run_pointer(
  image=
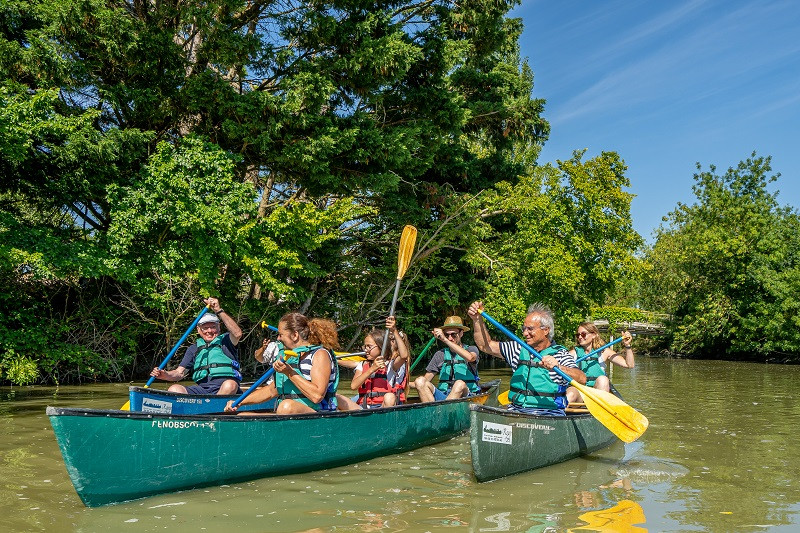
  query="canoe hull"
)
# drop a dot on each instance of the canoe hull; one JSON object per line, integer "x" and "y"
{"x": 114, "y": 456}
{"x": 157, "y": 401}
{"x": 504, "y": 443}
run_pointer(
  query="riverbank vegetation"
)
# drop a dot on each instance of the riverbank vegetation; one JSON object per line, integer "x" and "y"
{"x": 270, "y": 153}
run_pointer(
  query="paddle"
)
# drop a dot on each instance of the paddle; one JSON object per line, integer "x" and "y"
{"x": 127, "y": 405}
{"x": 355, "y": 356}
{"x": 620, "y": 418}
{"x": 286, "y": 355}
{"x": 407, "y": 241}
{"x": 503, "y": 398}
{"x": 268, "y": 326}
{"x": 600, "y": 349}
{"x": 422, "y": 353}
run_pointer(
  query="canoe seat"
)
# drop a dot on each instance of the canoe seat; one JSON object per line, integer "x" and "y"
{"x": 577, "y": 407}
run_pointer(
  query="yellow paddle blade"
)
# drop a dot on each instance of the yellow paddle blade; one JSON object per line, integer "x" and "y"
{"x": 126, "y": 406}
{"x": 503, "y": 398}
{"x": 620, "y": 418}
{"x": 351, "y": 358}
{"x": 407, "y": 242}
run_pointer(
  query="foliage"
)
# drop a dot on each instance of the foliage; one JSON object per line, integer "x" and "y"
{"x": 728, "y": 267}
{"x": 269, "y": 153}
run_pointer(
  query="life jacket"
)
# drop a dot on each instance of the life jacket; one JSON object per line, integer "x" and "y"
{"x": 372, "y": 391}
{"x": 454, "y": 368}
{"x": 531, "y": 385}
{"x": 590, "y": 366}
{"x": 215, "y": 360}
{"x": 286, "y": 389}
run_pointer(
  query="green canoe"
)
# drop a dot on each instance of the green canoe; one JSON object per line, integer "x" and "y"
{"x": 114, "y": 456}
{"x": 505, "y": 442}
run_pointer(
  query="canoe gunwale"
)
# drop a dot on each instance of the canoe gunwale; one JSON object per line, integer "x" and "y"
{"x": 253, "y": 415}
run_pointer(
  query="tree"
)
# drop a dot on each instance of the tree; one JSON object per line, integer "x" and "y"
{"x": 728, "y": 267}
{"x": 154, "y": 152}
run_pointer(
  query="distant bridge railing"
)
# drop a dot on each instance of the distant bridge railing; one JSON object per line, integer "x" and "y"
{"x": 648, "y": 323}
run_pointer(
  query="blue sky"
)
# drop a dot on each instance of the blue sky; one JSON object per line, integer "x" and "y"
{"x": 667, "y": 85}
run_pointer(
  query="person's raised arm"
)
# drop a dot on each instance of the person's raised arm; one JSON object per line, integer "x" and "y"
{"x": 456, "y": 347}
{"x": 626, "y": 360}
{"x": 402, "y": 349}
{"x": 234, "y": 331}
{"x": 483, "y": 340}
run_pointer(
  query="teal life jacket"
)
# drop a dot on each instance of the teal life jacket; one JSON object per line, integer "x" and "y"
{"x": 590, "y": 366}
{"x": 531, "y": 386}
{"x": 454, "y": 368}
{"x": 286, "y": 389}
{"x": 215, "y": 360}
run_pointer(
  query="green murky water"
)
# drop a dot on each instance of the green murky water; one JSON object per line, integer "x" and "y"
{"x": 719, "y": 456}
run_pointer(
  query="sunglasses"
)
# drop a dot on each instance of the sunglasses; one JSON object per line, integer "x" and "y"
{"x": 452, "y": 334}
{"x": 582, "y": 334}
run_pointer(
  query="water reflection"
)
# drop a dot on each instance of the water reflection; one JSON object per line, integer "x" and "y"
{"x": 621, "y": 518}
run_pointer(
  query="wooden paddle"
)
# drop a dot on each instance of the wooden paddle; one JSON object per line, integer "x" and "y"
{"x": 407, "y": 241}
{"x": 127, "y": 405}
{"x": 620, "y": 418}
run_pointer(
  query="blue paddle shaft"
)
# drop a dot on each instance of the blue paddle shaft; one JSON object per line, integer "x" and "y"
{"x": 600, "y": 349}
{"x": 178, "y": 345}
{"x": 253, "y": 387}
{"x": 271, "y": 328}
{"x": 507, "y": 332}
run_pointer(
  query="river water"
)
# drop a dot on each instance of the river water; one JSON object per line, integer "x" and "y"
{"x": 718, "y": 456}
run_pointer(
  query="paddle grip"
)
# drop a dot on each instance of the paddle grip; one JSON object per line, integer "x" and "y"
{"x": 178, "y": 345}
{"x": 507, "y": 332}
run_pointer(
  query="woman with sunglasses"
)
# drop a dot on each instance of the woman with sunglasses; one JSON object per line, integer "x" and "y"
{"x": 380, "y": 381}
{"x": 456, "y": 364}
{"x": 588, "y": 339}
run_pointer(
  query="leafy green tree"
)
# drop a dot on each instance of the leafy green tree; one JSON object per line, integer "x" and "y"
{"x": 155, "y": 152}
{"x": 728, "y": 267}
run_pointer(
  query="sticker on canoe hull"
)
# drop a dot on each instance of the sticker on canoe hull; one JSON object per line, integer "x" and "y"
{"x": 150, "y": 405}
{"x": 500, "y": 433}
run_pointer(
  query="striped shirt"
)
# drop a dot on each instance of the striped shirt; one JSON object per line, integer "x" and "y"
{"x": 510, "y": 351}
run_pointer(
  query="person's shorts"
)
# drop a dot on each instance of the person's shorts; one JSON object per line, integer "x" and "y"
{"x": 209, "y": 387}
{"x": 439, "y": 395}
{"x": 537, "y": 411}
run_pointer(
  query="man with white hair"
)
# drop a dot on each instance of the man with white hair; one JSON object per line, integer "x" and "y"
{"x": 535, "y": 387}
{"x": 213, "y": 359}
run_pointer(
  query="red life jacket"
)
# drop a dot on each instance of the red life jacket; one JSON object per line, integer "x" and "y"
{"x": 372, "y": 391}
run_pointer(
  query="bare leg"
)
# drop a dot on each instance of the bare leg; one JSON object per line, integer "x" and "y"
{"x": 346, "y": 404}
{"x": 180, "y": 389}
{"x": 229, "y": 386}
{"x": 459, "y": 390}
{"x": 425, "y": 389}
{"x": 573, "y": 395}
{"x": 389, "y": 400}
{"x": 602, "y": 383}
{"x": 291, "y": 407}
